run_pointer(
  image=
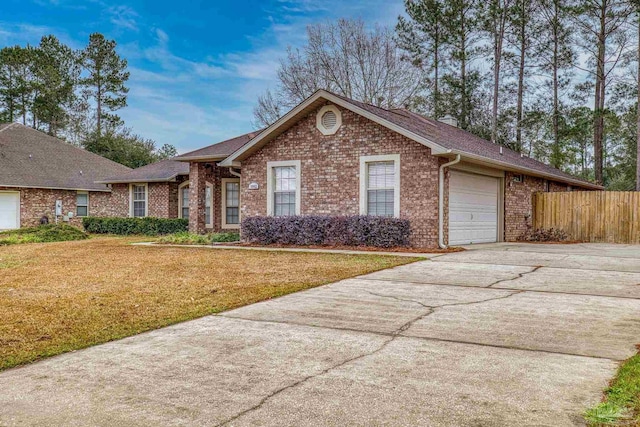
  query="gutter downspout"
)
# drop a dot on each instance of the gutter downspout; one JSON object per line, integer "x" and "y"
{"x": 441, "y": 201}
{"x": 234, "y": 173}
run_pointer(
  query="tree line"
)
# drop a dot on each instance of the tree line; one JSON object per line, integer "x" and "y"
{"x": 74, "y": 95}
{"x": 554, "y": 79}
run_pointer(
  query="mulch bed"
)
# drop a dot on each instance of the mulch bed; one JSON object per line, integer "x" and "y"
{"x": 357, "y": 248}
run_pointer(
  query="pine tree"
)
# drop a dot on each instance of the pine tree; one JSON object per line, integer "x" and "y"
{"x": 56, "y": 73}
{"x": 461, "y": 19}
{"x": 496, "y": 22}
{"x": 424, "y": 38}
{"x": 106, "y": 79}
{"x": 602, "y": 24}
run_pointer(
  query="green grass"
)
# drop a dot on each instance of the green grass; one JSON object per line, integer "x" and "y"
{"x": 186, "y": 238}
{"x": 42, "y": 234}
{"x": 621, "y": 406}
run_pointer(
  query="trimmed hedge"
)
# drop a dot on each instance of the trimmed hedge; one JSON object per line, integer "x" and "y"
{"x": 327, "y": 230}
{"x": 148, "y": 226}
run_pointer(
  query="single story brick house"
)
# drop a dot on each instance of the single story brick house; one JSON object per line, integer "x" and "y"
{"x": 39, "y": 172}
{"x": 332, "y": 155}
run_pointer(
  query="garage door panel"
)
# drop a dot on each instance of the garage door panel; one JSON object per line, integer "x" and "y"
{"x": 9, "y": 210}
{"x": 473, "y": 208}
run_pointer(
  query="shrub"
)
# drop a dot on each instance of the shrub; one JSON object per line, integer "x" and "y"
{"x": 327, "y": 230}
{"x": 186, "y": 238}
{"x": 225, "y": 237}
{"x": 124, "y": 226}
{"x": 545, "y": 235}
{"x": 42, "y": 234}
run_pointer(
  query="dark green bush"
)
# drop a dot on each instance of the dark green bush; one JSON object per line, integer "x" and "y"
{"x": 185, "y": 238}
{"x": 225, "y": 237}
{"x": 148, "y": 226}
{"x": 42, "y": 234}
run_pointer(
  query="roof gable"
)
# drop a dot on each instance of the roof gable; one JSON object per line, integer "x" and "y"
{"x": 383, "y": 117}
{"x": 30, "y": 158}
{"x": 441, "y": 138}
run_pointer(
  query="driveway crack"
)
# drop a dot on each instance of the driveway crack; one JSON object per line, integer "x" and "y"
{"x": 305, "y": 379}
{"x": 398, "y": 299}
{"x": 397, "y": 333}
{"x": 519, "y": 276}
{"x": 432, "y": 308}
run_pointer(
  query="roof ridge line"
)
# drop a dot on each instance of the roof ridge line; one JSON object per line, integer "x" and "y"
{"x": 10, "y": 125}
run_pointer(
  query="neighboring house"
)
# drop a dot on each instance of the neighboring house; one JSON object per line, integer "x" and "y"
{"x": 38, "y": 171}
{"x": 331, "y": 155}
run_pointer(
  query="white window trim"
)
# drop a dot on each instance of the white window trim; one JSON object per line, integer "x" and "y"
{"x": 270, "y": 166}
{"x": 212, "y": 211}
{"x": 146, "y": 198}
{"x": 321, "y": 113}
{"x": 223, "y": 211}
{"x": 82, "y": 192}
{"x": 180, "y": 187}
{"x": 363, "y": 181}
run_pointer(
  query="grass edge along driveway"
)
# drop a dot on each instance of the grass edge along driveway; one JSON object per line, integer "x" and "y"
{"x": 621, "y": 403}
{"x": 59, "y": 297}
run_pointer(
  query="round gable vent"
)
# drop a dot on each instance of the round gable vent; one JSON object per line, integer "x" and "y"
{"x": 329, "y": 119}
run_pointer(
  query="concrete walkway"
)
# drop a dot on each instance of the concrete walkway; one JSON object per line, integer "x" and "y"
{"x": 499, "y": 335}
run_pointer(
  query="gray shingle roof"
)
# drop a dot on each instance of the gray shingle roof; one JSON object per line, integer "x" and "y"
{"x": 219, "y": 150}
{"x": 164, "y": 170}
{"x": 30, "y": 158}
{"x": 463, "y": 142}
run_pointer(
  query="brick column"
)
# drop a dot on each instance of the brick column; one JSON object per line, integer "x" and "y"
{"x": 197, "y": 188}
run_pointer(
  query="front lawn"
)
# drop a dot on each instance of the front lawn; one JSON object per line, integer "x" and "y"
{"x": 57, "y": 297}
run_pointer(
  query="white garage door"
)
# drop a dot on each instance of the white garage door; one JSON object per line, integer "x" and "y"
{"x": 473, "y": 208}
{"x": 9, "y": 210}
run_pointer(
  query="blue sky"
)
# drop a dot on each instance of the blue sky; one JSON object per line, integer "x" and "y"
{"x": 196, "y": 67}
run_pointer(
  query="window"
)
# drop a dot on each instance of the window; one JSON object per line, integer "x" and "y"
{"x": 82, "y": 203}
{"x": 380, "y": 185}
{"x": 183, "y": 200}
{"x": 230, "y": 203}
{"x": 138, "y": 200}
{"x": 208, "y": 198}
{"x": 283, "y": 188}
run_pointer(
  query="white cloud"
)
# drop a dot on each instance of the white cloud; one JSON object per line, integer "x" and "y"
{"x": 123, "y": 17}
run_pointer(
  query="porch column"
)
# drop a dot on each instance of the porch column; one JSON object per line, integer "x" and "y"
{"x": 197, "y": 189}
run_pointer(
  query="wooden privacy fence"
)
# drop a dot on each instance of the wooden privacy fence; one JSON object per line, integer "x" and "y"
{"x": 590, "y": 216}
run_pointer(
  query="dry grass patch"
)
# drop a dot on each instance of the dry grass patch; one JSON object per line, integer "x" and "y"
{"x": 58, "y": 297}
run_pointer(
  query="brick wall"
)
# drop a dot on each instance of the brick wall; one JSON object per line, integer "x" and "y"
{"x": 162, "y": 199}
{"x": 38, "y": 202}
{"x": 330, "y": 172}
{"x": 518, "y": 204}
{"x": 518, "y": 201}
{"x": 201, "y": 174}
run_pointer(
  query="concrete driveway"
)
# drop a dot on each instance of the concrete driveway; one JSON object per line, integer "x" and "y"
{"x": 504, "y": 334}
